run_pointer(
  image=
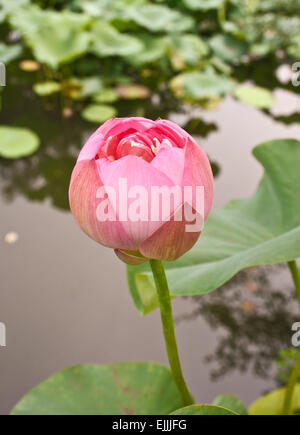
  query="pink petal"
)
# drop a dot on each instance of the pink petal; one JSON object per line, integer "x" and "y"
{"x": 92, "y": 147}
{"x": 171, "y": 240}
{"x": 170, "y": 161}
{"x": 198, "y": 172}
{"x": 85, "y": 183}
{"x": 173, "y": 131}
{"x": 129, "y": 146}
{"x": 117, "y": 126}
{"x": 141, "y": 174}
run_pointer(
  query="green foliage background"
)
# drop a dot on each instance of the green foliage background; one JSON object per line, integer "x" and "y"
{"x": 192, "y": 48}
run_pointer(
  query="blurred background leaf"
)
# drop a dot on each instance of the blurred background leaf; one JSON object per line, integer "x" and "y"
{"x": 272, "y": 403}
{"x": 16, "y": 142}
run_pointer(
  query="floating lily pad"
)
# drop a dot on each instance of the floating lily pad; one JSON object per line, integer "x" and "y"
{"x": 133, "y": 92}
{"x": 55, "y": 37}
{"x": 264, "y": 229}
{"x": 16, "y": 142}
{"x": 90, "y": 86}
{"x": 79, "y": 89}
{"x": 157, "y": 18}
{"x": 45, "y": 89}
{"x": 116, "y": 389}
{"x": 107, "y": 95}
{"x": 98, "y": 113}
{"x": 108, "y": 41}
{"x": 203, "y": 410}
{"x": 272, "y": 403}
{"x": 201, "y": 85}
{"x": 255, "y": 96}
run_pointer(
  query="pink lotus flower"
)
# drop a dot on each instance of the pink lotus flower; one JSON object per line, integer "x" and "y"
{"x": 145, "y": 153}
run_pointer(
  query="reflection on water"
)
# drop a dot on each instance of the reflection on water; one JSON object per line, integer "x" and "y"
{"x": 46, "y": 174}
{"x": 254, "y": 312}
{"x": 56, "y": 315}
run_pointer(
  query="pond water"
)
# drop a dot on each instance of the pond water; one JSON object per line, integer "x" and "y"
{"x": 65, "y": 300}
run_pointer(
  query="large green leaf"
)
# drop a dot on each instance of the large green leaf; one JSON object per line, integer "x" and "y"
{"x": 203, "y": 5}
{"x": 55, "y": 37}
{"x": 158, "y": 18}
{"x": 95, "y": 8}
{"x": 264, "y": 229}
{"x": 108, "y": 41}
{"x": 106, "y": 8}
{"x": 187, "y": 49}
{"x": 228, "y": 48}
{"x": 153, "y": 48}
{"x": 203, "y": 410}
{"x": 7, "y": 7}
{"x": 118, "y": 389}
{"x": 272, "y": 403}
{"x": 16, "y": 142}
{"x": 231, "y": 402}
{"x": 196, "y": 85}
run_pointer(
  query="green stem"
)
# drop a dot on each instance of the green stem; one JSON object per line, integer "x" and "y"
{"x": 222, "y": 13}
{"x": 168, "y": 329}
{"x": 296, "y": 277}
{"x": 288, "y": 400}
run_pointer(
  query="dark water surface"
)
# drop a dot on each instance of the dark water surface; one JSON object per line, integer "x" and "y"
{"x": 64, "y": 299}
